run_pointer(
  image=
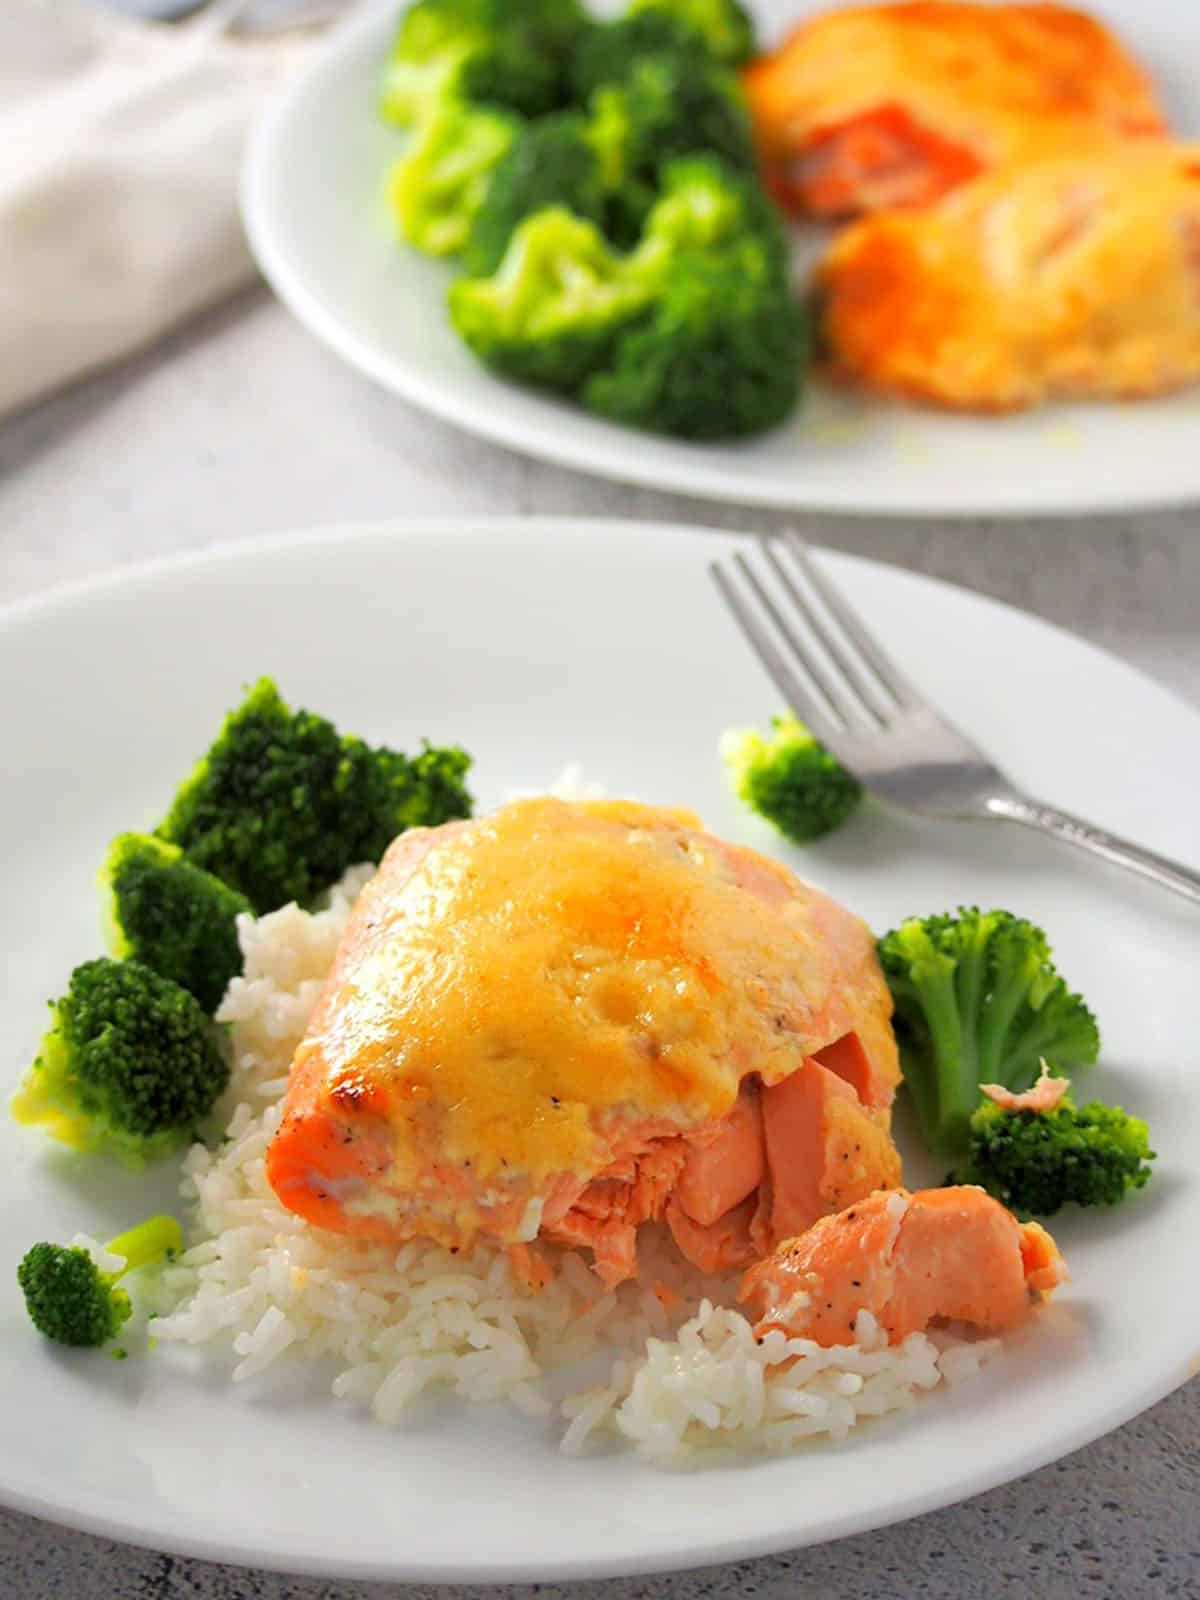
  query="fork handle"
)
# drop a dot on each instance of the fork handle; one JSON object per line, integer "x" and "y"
{"x": 1083, "y": 835}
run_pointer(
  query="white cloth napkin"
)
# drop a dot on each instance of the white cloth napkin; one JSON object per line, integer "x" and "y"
{"x": 120, "y": 144}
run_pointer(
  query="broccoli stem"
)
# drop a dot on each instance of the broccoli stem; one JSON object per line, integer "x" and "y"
{"x": 944, "y": 1105}
{"x": 156, "y": 1240}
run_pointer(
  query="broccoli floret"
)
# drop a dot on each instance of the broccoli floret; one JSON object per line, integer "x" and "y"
{"x": 552, "y": 162}
{"x": 704, "y": 203}
{"x": 790, "y": 779}
{"x": 1036, "y": 1162}
{"x": 438, "y": 186}
{"x": 678, "y": 105}
{"x": 606, "y": 52}
{"x": 130, "y": 1063}
{"x": 721, "y": 355}
{"x": 493, "y": 51}
{"x": 172, "y": 916}
{"x": 282, "y": 803}
{"x": 72, "y": 1302}
{"x": 724, "y": 25}
{"x": 978, "y": 1000}
{"x": 552, "y": 312}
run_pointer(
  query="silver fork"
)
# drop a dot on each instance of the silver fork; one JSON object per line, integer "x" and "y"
{"x": 841, "y": 683}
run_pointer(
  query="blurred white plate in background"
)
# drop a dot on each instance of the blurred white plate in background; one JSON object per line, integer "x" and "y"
{"x": 313, "y": 200}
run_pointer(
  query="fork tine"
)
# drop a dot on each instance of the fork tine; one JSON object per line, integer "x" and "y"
{"x": 868, "y": 695}
{"x": 794, "y": 691}
{"x": 841, "y": 708}
{"x": 885, "y": 670}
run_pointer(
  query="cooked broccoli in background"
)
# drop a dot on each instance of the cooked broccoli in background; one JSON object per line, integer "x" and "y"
{"x": 694, "y": 333}
{"x": 724, "y": 25}
{"x": 704, "y": 203}
{"x": 552, "y": 312}
{"x": 171, "y": 915}
{"x": 720, "y": 357}
{"x": 978, "y": 1000}
{"x": 551, "y": 162}
{"x": 485, "y": 51}
{"x": 438, "y": 186}
{"x": 721, "y": 350}
{"x": 283, "y": 803}
{"x": 678, "y": 105}
{"x": 790, "y": 779}
{"x": 130, "y": 1063}
{"x": 589, "y": 262}
{"x": 68, "y": 1297}
{"x": 1036, "y": 1162}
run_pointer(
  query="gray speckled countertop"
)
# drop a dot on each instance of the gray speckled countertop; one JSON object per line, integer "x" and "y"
{"x": 244, "y": 425}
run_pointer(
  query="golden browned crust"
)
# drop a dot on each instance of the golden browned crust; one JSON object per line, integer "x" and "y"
{"x": 1074, "y": 276}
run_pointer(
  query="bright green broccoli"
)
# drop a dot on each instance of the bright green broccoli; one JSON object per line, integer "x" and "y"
{"x": 978, "y": 1000}
{"x": 72, "y": 1302}
{"x": 790, "y": 779}
{"x": 606, "y": 52}
{"x": 679, "y": 104}
{"x": 485, "y": 51}
{"x": 283, "y": 803}
{"x": 703, "y": 204}
{"x": 552, "y": 312}
{"x": 130, "y": 1063}
{"x": 552, "y": 162}
{"x": 1036, "y": 1162}
{"x": 171, "y": 915}
{"x": 721, "y": 354}
{"x": 438, "y": 186}
{"x": 724, "y": 25}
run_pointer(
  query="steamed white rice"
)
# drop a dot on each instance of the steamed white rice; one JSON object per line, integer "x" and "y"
{"x": 686, "y": 1372}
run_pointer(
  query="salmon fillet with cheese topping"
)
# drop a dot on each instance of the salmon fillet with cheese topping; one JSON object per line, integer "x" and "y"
{"x": 895, "y": 105}
{"x": 1073, "y": 277}
{"x": 565, "y": 1020}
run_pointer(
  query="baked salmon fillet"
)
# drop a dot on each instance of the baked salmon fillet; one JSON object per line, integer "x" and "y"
{"x": 565, "y": 1020}
{"x": 1076, "y": 276}
{"x": 940, "y": 1255}
{"x": 895, "y": 105}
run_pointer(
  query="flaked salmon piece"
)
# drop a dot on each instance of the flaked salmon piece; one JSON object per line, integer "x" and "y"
{"x": 951, "y": 1254}
{"x": 1045, "y": 1094}
{"x": 722, "y": 1169}
{"x": 724, "y": 1245}
{"x": 566, "y": 1020}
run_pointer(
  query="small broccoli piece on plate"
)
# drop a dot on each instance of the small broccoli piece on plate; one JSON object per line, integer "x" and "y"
{"x": 484, "y": 51}
{"x": 553, "y": 310}
{"x": 606, "y": 52}
{"x": 438, "y": 186}
{"x": 721, "y": 354}
{"x": 552, "y": 162}
{"x": 283, "y": 803}
{"x": 171, "y": 915}
{"x": 130, "y": 1063}
{"x": 70, "y": 1300}
{"x": 1036, "y": 1162}
{"x": 790, "y": 779}
{"x": 978, "y": 1000}
{"x": 723, "y": 25}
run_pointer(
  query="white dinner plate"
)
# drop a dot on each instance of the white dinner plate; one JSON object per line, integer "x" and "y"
{"x": 538, "y": 644}
{"x": 313, "y": 201}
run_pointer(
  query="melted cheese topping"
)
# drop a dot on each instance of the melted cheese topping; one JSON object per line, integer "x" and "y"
{"x": 1076, "y": 276}
{"x": 555, "y": 968}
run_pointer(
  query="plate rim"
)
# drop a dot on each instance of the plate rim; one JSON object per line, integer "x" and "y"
{"x": 90, "y": 1517}
{"x": 554, "y": 445}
